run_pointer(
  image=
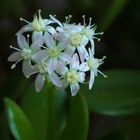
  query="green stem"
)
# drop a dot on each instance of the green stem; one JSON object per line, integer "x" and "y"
{"x": 51, "y": 113}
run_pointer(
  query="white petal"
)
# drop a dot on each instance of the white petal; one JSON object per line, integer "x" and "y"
{"x": 22, "y": 41}
{"x": 15, "y": 57}
{"x": 92, "y": 46}
{"x": 55, "y": 79}
{"x": 82, "y": 52}
{"x": 36, "y": 35}
{"x": 65, "y": 58}
{"x": 25, "y": 28}
{"x": 69, "y": 50}
{"x": 64, "y": 42}
{"x": 26, "y": 67}
{"x": 84, "y": 67}
{"x": 40, "y": 55}
{"x": 81, "y": 77}
{"x": 37, "y": 43}
{"x": 59, "y": 29}
{"x": 49, "y": 41}
{"x": 61, "y": 69}
{"x": 74, "y": 88}
{"x": 75, "y": 62}
{"x": 51, "y": 65}
{"x": 51, "y": 30}
{"x": 92, "y": 77}
{"x": 85, "y": 41}
{"x": 39, "y": 82}
{"x": 56, "y": 20}
{"x": 47, "y": 21}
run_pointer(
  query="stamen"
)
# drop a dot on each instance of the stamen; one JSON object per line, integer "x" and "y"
{"x": 21, "y": 19}
{"x": 14, "y": 65}
{"x": 98, "y": 39}
{"x": 66, "y": 19}
{"x": 69, "y": 18}
{"x": 14, "y": 48}
{"x": 84, "y": 20}
{"x": 105, "y": 76}
{"x": 39, "y": 12}
{"x": 43, "y": 47}
{"x": 55, "y": 20}
{"x": 100, "y": 33}
{"x": 90, "y": 19}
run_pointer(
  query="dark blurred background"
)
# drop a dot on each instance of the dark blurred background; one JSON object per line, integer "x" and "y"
{"x": 118, "y": 19}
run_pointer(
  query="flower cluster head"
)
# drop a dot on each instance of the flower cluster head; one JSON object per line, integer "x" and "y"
{"x": 61, "y": 53}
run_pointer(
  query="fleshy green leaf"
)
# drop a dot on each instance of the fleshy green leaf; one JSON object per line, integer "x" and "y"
{"x": 77, "y": 121}
{"x": 119, "y": 94}
{"x": 19, "y": 124}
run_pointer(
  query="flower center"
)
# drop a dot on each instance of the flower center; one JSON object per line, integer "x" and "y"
{"x": 72, "y": 77}
{"x": 76, "y": 39}
{"x": 53, "y": 52}
{"x": 26, "y": 54}
{"x": 42, "y": 66}
{"x": 38, "y": 23}
{"x": 93, "y": 63}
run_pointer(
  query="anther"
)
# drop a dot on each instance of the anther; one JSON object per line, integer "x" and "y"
{"x": 21, "y": 19}
{"x": 84, "y": 21}
{"x": 13, "y": 66}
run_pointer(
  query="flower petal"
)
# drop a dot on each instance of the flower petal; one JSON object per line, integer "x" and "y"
{"x": 61, "y": 68}
{"x": 69, "y": 50}
{"x": 47, "y": 21}
{"x": 37, "y": 43}
{"x": 51, "y": 65}
{"x": 82, "y": 52}
{"x": 28, "y": 69}
{"x": 39, "y": 82}
{"x": 81, "y": 77}
{"x": 15, "y": 57}
{"x": 74, "y": 88}
{"x": 56, "y": 20}
{"x": 55, "y": 79}
{"x": 84, "y": 66}
{"x": 25, "y": 28}
{"x": 22, "y": 41}
{"x": 65, "y": 58}
{"x": 36, "y": 35}
{"x": 40, "y": 55}
{"x": 51, "y": 30}
{"x": 92, "y": 77}
{"x": 75, "y": 62}
{"x": 49, "y": 41}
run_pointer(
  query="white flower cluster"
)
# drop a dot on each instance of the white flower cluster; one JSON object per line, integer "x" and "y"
{"x": 59, "y": 52}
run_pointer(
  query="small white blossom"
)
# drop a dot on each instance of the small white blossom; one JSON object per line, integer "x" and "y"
{"x": 53, "y": 52}
{"x": 92, "y": 65}
{"x": 37, "y": 26}
{"x": 71, "y": 76}
{"x": 24, "y": 52}
{"x": 42, "y": 73}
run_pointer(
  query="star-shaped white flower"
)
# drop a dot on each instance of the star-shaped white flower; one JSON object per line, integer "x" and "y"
{"x": 53, "y": 52}
{"x": 24, "y": 52}
{"x": 92, "y": 65}
{"x": 37, "y": 26}
{"x": 71, "y": 76}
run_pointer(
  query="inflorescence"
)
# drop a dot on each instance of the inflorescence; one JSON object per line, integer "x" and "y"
{"x": 58, "y": 52}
